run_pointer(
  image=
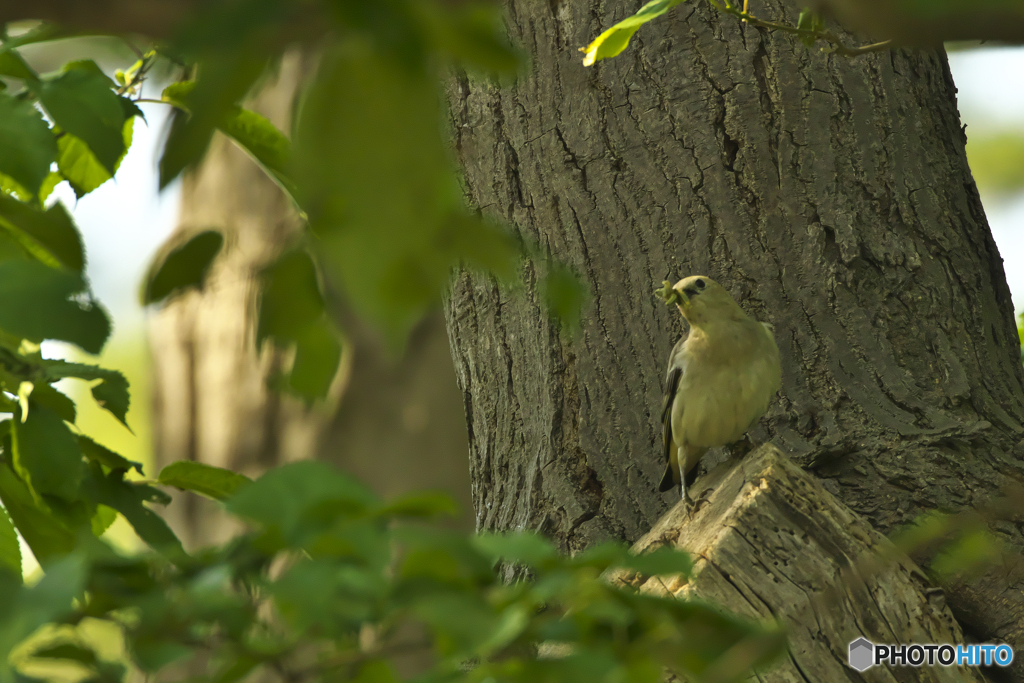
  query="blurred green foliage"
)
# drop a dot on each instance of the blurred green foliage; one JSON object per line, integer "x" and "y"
{"x": 329, "y": 580}
{"x": 997, "y": 160}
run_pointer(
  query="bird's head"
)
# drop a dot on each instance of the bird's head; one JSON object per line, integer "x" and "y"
{"x": 700, "y": 299}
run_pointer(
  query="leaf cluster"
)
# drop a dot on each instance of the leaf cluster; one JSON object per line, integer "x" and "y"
{"x": 333, "y": 583}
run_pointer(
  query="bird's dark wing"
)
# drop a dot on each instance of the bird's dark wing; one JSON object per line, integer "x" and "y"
{"x": 671, "y": 384}
{"x": 675, "y": 372}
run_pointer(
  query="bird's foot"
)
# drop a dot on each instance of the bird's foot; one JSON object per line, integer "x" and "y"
{"x": 693, "y": 506}
{"x": 702, "y": 500}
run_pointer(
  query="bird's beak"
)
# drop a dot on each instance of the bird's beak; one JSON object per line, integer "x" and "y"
{"x": 682, "y": 300}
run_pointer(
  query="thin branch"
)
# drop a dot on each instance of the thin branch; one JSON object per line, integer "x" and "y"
{"x": 838, "y": 47}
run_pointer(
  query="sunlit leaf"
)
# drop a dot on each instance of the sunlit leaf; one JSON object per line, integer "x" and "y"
{"x": 261, "y": 139}
{"x": 253, "y": 133}
{"x": 80, "y": 167}
{"x": 10, "y": 549}
{"x": 616, "y": 39}
{"x": 81, "y": 102}
{"x": 48, "y": 235}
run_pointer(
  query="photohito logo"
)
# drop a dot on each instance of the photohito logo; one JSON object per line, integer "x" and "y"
{"x": 864, "y": 654}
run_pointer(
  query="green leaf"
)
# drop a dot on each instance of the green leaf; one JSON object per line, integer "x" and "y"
{"x": 111, "y": 393}
{"x": 81, "y": 102}
{"x": 90, "y": 67}
{"x": 317, "y": 357}
{"x": 11, "y": 64}
{"x": 376, "y": 671}
{"x": 9, "y": 185}
{"x": 49, "y": 236}
{"x": 373, "y": 169}
{"x": 421, "y": 504}
{"x": 36, "y": 304}
{"x": 48, "y": 601}
{"x": 660, "y": 562}
{"x": 283, "y": 497}
{"x": 473, "y": 34}
{"x": 616, "y": 39}
{"x": 60, "y": 404}
{"x": 68, "y": 651}
{"x": 526, "y": 548}
{"x": 46, "y": 536}
{"x": 46, "y": 453}
{"x": 292, "y": 311}
{"x": 102, "y": 520}
{"x": 212, "y": 482}
{"x": 290, "y": 299}
{"x": 220, "y": 84}
{"x": 10, "y": 549}
{"x": 106, "y": 457}
{"x": 27, "y": 144}
{"x": 80, "y": 167}
{"x": 184, "y": 267}
{"x": 263, "y": 141}
{"x": 129, "y": 499}
{"x": 564, "y": 294}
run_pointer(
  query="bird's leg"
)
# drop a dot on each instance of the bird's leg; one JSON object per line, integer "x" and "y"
{"x": 681, "y": 463}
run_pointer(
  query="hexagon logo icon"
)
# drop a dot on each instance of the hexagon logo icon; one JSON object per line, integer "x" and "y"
{"x": 862, "y": 654}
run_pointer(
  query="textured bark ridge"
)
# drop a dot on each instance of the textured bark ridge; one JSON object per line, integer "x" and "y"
{"x": 831, "y": 196}
{"x": 770, "y": 543}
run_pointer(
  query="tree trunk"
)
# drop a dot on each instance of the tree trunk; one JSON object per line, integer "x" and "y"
{"x": 830, "y": 195}
{"x": 210, "y": 402}
{"x": 396, "y": 423}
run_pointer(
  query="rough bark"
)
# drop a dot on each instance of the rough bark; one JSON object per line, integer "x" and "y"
{"x": 770, "y": 543}
{"x": 831, "y": 196}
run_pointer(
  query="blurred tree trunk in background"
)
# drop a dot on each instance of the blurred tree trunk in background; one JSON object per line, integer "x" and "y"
{"x": 830, "y": 195}
{"x": 399, "y": 424}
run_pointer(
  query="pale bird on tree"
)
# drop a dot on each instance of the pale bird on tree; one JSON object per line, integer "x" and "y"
{"x": 721, "y": 377}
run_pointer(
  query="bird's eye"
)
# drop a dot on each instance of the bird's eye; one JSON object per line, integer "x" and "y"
{"x": 700, "y": 284}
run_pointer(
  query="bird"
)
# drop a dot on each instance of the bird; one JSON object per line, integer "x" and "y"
{"x": 721, "y": 377}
